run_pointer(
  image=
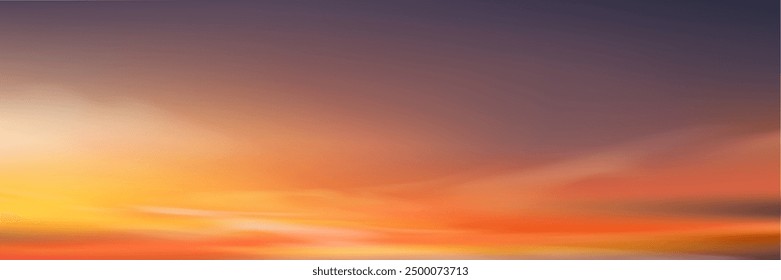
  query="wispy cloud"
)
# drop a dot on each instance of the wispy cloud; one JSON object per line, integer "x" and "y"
{"x": 44, "y": 121}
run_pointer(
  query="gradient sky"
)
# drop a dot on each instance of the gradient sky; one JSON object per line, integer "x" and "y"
{"x": 389, "y": 129}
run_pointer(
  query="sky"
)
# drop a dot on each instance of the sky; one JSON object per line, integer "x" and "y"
{"x": 389, "y": 130}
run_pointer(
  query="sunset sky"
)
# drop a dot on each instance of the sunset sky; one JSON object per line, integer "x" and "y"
{"x": 389, "y": 129}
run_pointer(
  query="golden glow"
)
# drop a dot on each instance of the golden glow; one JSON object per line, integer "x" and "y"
{"x": 126, "y": 181}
